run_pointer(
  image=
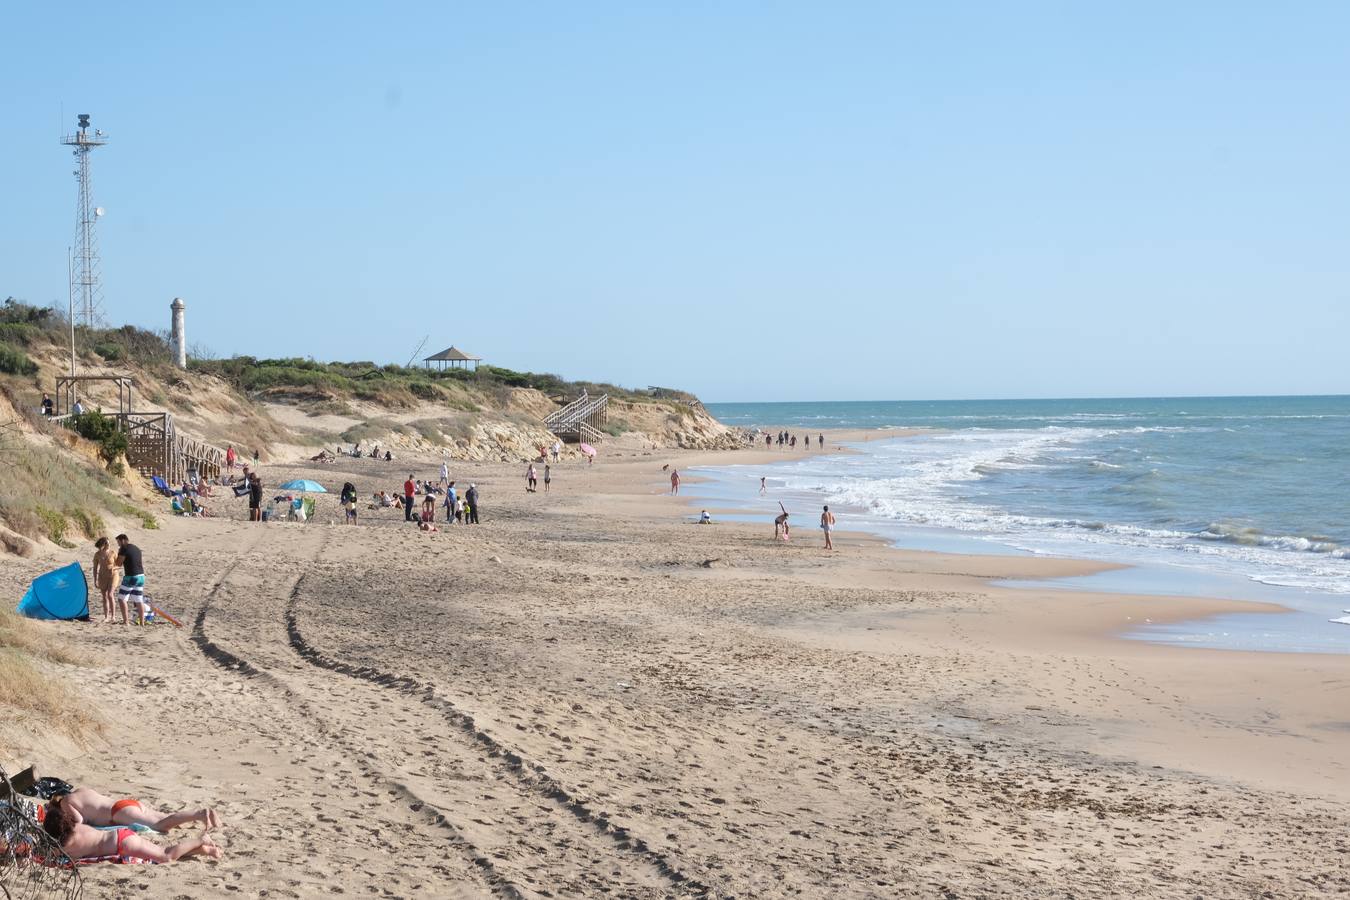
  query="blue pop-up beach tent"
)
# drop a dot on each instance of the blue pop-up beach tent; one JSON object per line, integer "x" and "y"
{"x": 60, "y": 594}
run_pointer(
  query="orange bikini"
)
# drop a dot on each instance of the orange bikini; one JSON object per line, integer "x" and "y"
{"x": 123, "y": 804}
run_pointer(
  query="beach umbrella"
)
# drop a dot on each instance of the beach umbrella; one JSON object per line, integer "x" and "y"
{"x": 587, "y": 449}
{"x": 304, "y": 485}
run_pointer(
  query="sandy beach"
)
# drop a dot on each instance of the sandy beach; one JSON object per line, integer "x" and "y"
{"x": 588, "y": 695}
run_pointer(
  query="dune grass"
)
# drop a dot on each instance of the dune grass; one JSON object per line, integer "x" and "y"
{"x": 26, "y": 692}
{"x": 44, "y": 492}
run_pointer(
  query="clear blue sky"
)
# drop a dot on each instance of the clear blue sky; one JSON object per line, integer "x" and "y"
{"x": 755, "y": 201}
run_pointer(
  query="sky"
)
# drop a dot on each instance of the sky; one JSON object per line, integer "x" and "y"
{"x": 752, "y": 201}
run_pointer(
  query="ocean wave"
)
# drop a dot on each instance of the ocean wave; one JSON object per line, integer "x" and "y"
{"x": 1253, "y": 537}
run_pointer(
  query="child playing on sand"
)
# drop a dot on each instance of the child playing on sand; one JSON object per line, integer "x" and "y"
{"x": 780, "y": 524}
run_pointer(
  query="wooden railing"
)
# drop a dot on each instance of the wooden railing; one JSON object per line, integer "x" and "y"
{"x": 581, "y": 419}
{"x": 154, "y": 447}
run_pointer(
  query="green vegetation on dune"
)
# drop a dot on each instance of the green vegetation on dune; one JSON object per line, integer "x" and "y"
{"x": 43, "y": 492}
{"x": 403, "y": 386}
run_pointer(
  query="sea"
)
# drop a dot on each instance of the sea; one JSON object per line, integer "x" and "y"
{"x": 1239, "y": 497}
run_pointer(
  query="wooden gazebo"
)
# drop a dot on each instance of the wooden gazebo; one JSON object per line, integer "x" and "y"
{"x": 454, "y": 358}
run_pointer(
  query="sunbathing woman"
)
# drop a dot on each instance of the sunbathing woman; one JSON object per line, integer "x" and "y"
{"x": 81, "y": 841}
{"x": 96, "y": 809}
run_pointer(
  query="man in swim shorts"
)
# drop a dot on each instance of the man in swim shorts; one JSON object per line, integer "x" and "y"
{"x": 827, "y": 526}
{"x": 132, "y": 589}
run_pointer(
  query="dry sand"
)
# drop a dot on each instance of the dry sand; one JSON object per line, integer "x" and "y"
{"x": 588, "y": 696}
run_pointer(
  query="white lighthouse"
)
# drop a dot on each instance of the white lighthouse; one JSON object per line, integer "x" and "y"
{"x": 178, "y": 334}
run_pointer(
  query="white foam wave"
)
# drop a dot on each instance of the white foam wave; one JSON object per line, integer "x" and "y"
{"x": 934, "y": 483}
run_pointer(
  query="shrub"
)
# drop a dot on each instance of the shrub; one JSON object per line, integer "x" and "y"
{"x": 15, "y": 361}
{"x": 425, "y": 390}
{"x": 90, "y": 523}
{"x": 55, "y": 526}
{"x": 17, "y": 333}
{"x": 16, "y": 312}
{"x": 127, "y": 343}
{"x": 103, "y": 431}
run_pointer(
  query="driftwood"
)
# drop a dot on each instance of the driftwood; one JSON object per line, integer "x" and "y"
{"x": 32, "y": 866}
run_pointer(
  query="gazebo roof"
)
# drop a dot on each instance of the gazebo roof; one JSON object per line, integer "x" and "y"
{"x": 453, "y": 354}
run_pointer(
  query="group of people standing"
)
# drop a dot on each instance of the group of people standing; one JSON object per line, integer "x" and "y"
{"x": 532, "y": 479}
{"x": 785, "y": 439}
{"x": 458, "y": 509}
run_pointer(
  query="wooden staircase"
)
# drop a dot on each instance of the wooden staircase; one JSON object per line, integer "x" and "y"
{"x": 154, "y": 447}
{"x": 581, "y": 420}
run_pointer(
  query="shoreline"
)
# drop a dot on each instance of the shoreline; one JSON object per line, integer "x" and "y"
{"x": 1217, "y": 599}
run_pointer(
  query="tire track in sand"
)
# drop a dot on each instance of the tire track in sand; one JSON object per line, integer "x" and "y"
{"x": 527, "y": 778}
{"x": 494, "y": 880}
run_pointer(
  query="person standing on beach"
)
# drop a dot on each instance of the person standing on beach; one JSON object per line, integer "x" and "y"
{"x": 133, "y": 578}
{"x": 768, "y": 442}
{"x": 255, "y": 491}
{"x": 675, "y": 481}
{"x": 820, "y": 441}
{"x": 531, "y": 480}
{"x": 105, "y": 576}
{"x": 471, "y": 505}
{"x": 445, "y": 471}
{"x": 548, "y": 477}
{"x": 763, "y": 486}
{"x": 229, "y": 459}
{"x": 349, "y": 503}
{"x": 409, "y": 494}
{"x": 827, "y": 526}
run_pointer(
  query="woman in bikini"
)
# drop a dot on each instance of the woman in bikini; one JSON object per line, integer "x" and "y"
{"x": 105, "y": 576}
{"x": 80, "y": 841}
{"x": 90, "y": 806}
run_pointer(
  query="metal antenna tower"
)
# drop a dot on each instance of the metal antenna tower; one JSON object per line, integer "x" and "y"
{"x": 88, "y": 288}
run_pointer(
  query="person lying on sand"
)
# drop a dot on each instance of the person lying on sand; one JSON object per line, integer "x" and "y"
{"x": 427, "y": 525}
{"x": 93, "y": 808}
{"x": 81, "y": 841}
